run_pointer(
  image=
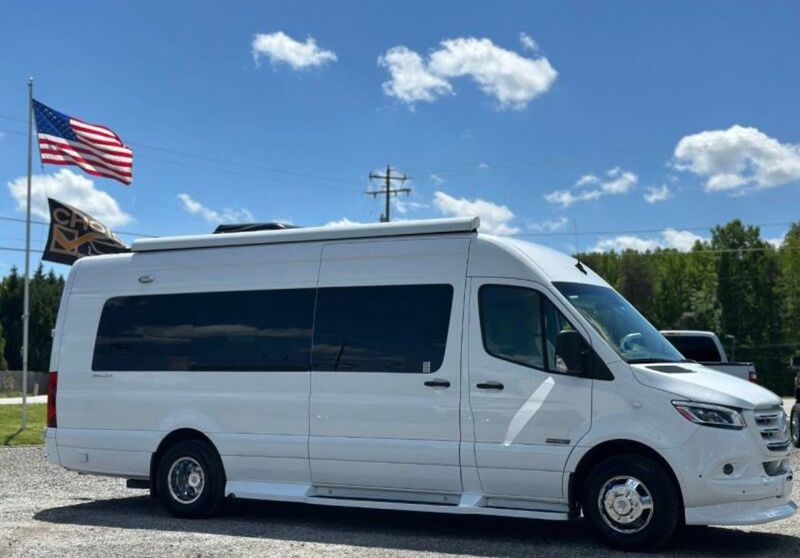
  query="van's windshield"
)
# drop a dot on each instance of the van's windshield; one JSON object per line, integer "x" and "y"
{"x": 633, "y": 337}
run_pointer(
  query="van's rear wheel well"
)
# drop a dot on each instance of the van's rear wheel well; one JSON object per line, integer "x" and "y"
{"x": 603, "y": 451}
{"x": 170, "y": 440}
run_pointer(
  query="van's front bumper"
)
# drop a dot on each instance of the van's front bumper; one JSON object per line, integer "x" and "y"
{"x": 757, "y": 487}
{"x": 742, "y": 513}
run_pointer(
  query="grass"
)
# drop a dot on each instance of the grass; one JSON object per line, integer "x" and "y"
{"x": 10, "y": 394}
{"x": 10, "y": 434}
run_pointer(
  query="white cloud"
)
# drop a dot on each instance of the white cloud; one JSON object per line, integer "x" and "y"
{"x": 495, "y": 219}
{"x": 656, "y": 194}
{"x": 410, "y": 80}
{"x": 590, "y": 187}
{"x": 550, "y": 225}
{"x": 587, "y": 179}
{"x": 227, "y": 215}
{"x": 511, "y": 79}
{"x": 343, "y": 222}
{"x": 70, "y": 188}
{"x": 436, "y": 179}
{"x": 280, "y": 47}
{"x": 527, "y": 42}
{"x": 625, "y": 242}
{"x": 404, "y": 206}
{"x": 683, "y": 241}
{"x": 776, "y": 242}
{"x": 738, "y": 159}
{"x": 483, "y": 166}
{"x": 680, "y": 240}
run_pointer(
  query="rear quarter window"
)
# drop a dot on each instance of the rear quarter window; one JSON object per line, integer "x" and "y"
{"x": 701, "y": 349}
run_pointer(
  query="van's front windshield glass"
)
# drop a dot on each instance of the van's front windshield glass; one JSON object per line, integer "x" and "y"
{"x": 633, "y": 337}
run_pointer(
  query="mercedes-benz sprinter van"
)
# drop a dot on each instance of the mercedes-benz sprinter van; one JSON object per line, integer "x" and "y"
{"x": 412, "y": 366}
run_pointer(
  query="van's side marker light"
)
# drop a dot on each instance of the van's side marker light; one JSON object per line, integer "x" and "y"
{"x": 528, "y": 410}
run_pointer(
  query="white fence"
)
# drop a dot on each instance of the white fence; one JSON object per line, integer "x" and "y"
{"x": 11, "y": 381}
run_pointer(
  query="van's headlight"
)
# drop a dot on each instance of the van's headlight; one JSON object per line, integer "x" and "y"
{"x": 710, "y": 415}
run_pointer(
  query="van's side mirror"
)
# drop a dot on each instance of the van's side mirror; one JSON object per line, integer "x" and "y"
{"x": 571, "y": 353}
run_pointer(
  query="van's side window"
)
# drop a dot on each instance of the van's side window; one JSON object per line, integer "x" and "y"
{"x": 225, "y": 331}
{"x": 511, "y": 324}
{"x": 398, "y": 328}
{"x": 521, "y": 325}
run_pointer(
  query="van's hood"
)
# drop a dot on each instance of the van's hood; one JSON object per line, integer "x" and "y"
{"x": 705, "y": 385}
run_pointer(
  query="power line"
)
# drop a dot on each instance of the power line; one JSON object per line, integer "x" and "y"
{"x": 45, "y": 223}
{"x": 267, "y": 169}
{"x": 388, "y": 191}
{"x": 643, "y": 231}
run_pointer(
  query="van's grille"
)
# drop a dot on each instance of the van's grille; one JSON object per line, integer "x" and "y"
{"x": 773, "y": 427}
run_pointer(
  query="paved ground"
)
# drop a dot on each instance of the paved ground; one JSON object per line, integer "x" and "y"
{"x": 46, "y": 511}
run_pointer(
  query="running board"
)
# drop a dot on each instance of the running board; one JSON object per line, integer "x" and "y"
{"x": 467, "y": 504}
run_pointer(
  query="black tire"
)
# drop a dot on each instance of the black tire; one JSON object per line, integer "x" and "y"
{"x": 654, "y": 526}
{"x": 195, "y": 466}
{"x": 794, "y": 425}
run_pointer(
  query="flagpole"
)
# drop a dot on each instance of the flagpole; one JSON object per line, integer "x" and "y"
{"x": 26, "y": 298}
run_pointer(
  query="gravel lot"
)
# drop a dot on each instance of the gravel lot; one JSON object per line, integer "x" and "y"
{"x": 47, "y": 511}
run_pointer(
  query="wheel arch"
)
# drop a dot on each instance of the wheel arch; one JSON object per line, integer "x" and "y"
{"x": 607, "y": 449}
{"x": 179, "y": 435}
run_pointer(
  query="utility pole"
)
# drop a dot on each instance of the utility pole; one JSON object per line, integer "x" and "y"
{"x": 388, "y": 191}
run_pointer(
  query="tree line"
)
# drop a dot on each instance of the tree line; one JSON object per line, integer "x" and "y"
{"x": 735, "y": 284}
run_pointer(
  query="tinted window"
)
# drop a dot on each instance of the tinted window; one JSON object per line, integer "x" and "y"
{"x": 382, "y": 329}
{"x": 511, "y": 324}
{"x": 555, "y": 323}
{"x": 235, "y": 331}
{"x": 701, "y": 349}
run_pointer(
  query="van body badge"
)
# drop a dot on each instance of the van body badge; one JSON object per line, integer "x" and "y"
{"x": 558, "y": 441}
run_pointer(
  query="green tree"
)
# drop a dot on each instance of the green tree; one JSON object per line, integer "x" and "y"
{"x": 748, "y": 279}
{"x": 45, "y": 294}
{"x": 11, "y": 290}
{"x": 3, "y": 363}
{"x": 789, "y": 289}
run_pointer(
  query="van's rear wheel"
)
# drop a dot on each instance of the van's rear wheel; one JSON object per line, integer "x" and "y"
{"x": 794, "y": 425}
{"x": 631, "y": 502}
{"x": 191, "y": 479}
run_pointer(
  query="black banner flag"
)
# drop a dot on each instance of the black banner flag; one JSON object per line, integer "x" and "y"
{"x": 75, "y": 234}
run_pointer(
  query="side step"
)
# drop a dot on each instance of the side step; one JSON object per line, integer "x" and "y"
{"x": 143, "y": 484}
{"x": 463, "y": 504}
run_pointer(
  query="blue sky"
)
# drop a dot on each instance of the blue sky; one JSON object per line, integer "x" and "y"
{"x": 534, "y": 115}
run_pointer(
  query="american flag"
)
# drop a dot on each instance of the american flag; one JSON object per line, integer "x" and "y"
{"x": 64, "y": 140}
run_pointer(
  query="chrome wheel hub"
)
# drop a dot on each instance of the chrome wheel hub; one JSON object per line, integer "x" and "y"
{"x": 186, "y": 480}
{"x": 625, "y": 504}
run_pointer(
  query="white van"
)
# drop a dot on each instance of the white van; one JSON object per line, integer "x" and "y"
{"x": 411, "y": 366}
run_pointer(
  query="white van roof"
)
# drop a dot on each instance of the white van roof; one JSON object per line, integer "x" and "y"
{"x": 401, "y": 228}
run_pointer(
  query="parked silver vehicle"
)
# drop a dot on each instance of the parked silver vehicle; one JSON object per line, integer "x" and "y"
{"x": 705, "y": 347}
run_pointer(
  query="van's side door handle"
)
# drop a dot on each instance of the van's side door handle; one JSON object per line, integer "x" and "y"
{"x": 490, "y": 385}
{"x": 438, "y": 383}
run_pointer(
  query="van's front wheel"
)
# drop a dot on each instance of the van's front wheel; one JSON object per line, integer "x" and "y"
{"x": 191, "y": 479}
{"x": 631, "y": 502}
